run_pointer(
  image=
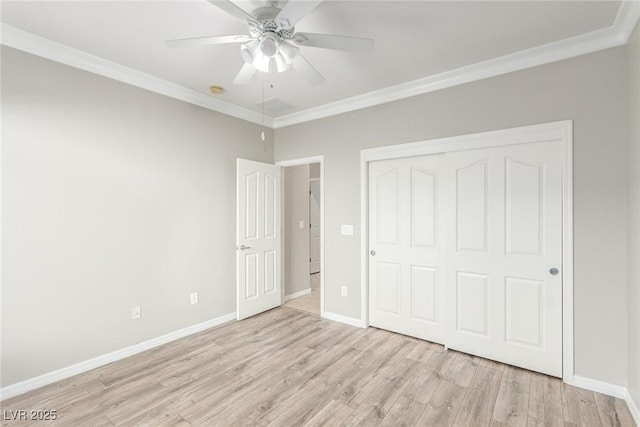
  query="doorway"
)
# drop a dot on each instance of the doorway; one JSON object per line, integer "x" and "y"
{"x": 303, "y": 235}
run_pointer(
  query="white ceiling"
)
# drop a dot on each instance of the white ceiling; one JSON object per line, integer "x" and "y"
{"x": 413, "y": 40}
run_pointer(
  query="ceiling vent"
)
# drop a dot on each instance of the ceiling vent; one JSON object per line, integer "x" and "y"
{"x": 275, "y": 105}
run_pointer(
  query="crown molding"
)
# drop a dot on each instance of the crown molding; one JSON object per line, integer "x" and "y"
{"x": 627, "y": 18}
{"x": 41, "y": 46}
{"x": 616, "y": 35}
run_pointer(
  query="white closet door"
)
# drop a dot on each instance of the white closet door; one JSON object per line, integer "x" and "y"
{"x": 405, "y": 243}
{"x": 503, "y": 221}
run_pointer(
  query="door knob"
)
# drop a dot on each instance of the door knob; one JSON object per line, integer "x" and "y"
{"x": 554, "y": 271}
{"x": 373, "y": 253}
{"x": 243, "y": 247}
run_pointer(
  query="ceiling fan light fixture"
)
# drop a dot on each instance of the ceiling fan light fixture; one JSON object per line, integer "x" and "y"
{"x": 246, "y": 55}
{"x": 281, "y": 63}
{"x": 249, "y": 51}
{"x": 288, "y": 52}
{"x": 261, "y": 63}
{"x": 269, "y": 45}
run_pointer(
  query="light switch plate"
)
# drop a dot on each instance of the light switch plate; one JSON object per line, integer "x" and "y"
{"x": 346, "y": 230}
{"x": 301, "y": 224}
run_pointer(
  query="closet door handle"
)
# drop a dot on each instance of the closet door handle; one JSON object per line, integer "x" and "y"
{"x": 554, "y": 271}
{"x": 373, "y": 253}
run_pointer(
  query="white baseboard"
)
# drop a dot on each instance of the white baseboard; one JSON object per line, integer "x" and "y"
{"x": 343, "y": 319}
{"x": 78, "y": 368}
{"x": 634, "y": 408}
{"x": 598, "y": 386}
{"x": 297, "y": 294}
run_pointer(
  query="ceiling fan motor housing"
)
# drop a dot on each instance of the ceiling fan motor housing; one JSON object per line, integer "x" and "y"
{"x": 266, "y": 23}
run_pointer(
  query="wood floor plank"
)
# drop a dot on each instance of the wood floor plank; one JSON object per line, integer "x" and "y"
{"x": 315, "y": 397}
{"x": 553, "y": 411}
{"x": 536, "y": 397}
{"x": 443, "y": 406}
{"x": 286, "y": 368}
{"x": 333, "y": 414}
{"x": 386, "y": 358}
{"x": 613, "y": 412}
{"x": 579, "y": 407}
{"x": 404, "y": 413}
{"x": 423, "y": 386}
{"x": 480, "y": 398}
{"x": 380, "y": 401}
{"x": 424, "y": 350}
{"x": 512, "y": 402}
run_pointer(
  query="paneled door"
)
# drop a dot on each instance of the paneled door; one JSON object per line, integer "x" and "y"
{"x": 503, "y": 251}
{"x": 314, "y": 225}
{"x": 405, "y": 242}
{"x": 258, "y": 238}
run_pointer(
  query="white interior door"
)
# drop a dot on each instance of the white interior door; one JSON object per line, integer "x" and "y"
{"x": 504, "y": 236}
{"x": 471, "y": 240}
{"x": 314, "y": 225}
{"x": 405, "y": 242}
{"x": 258, "y": 234}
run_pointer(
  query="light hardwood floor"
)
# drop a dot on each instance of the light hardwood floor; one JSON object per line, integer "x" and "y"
{"x": 310, "y": 302}
{"x": 289, "y": 368}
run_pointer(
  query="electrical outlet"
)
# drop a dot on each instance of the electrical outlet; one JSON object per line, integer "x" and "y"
{"x": 344, "y": 291}
{"x": 194, "y": 298}
{"x": 136, "y": 313}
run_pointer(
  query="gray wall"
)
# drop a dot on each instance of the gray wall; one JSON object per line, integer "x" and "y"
{"x": 590, "y": 90}
{"x": 112, "y": 197}
{"x": 296, "y": 250}
{"x": 633, "y": 212}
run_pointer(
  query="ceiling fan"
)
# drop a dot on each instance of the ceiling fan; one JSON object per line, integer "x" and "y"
{"x": 272, "y": 40}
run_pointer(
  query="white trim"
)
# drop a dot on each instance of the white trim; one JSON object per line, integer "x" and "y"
{"x": 297, "y": 294}
{"x": 598, "y": 386}
{"x": 96, "y": 362}
{"x": 519, "y": 135}
{"x": 343, "y": 319}
{"x": 307, "y": 161}
{"x": 364, "y": 238}
{"x": 568, "y": 328}
{"x": 615, "y": 35}
{"x": 561, "y": 130}
{"x": 627, "y": 18}
{"x": 40, "y": 46}
{"x": 634, "y": 407}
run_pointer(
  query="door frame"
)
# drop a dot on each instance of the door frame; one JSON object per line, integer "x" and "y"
{"x": 554, "y": 131}
{"x": 300, "y": 162}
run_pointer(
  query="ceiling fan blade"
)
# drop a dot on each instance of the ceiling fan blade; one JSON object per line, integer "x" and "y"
{"x": 307, "y": 71}
{"x": 204, "y": 41}
{"x": 294, "y": 11}
{"x": 330, "y": 41}
{"x": 244, "y": 76}
{"x": 233, "y": 10}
